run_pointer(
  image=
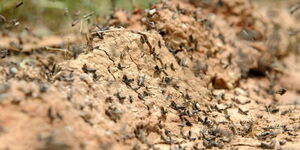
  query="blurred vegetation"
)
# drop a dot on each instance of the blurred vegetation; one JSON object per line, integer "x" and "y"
{"x": 54, "y": 15}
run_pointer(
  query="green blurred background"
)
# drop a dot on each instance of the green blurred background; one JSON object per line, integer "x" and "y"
{"x": 54, "y": 15}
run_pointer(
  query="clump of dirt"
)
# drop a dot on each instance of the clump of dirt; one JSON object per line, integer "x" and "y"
{"x": 192, "y": 76}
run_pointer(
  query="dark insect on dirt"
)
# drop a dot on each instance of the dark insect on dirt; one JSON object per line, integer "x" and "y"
{"x": 50, "y": 71}
{"x": 130, "y": 99}
{"x": 19, "y": 4}
{"x": 174, "y": 52}
{"x": 113, "y": 113}
{"x": 176, "y": 107}
{"x": 244, "y": 112}
{"x": 100, "y": 34}
{"x": 86, "y": 69}
{"x": 109, "y": 100}
{"x": 120, "y": 67}
{"x": 86, "y": 119}
{"x": 186, "y": 122}
{"x": 159, "y": 44}
{"x": 141, "y": 96}
{"x": 157, "y": 70}
{"x": 76, "y": 51}
{"x": 286, "y": 112}
{"x": 163, "y": 113}
{"x": 51, "y": 114}
{"x": 143, "y": 40}
{"x": 127, "y": 81}
{"x": 190, "y": 136}
{"x": 167, "y": 80}
{"x": 271, "y": 108}
{"x": 281, "y": 91}
{"x": 121, "y": 98}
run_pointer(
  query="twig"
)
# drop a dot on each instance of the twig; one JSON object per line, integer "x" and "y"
{"x": 59, "y": 50}
{"x": 243, "y": 144}
{"x": 294, "y": 8}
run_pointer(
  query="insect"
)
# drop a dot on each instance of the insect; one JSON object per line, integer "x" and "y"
{"x": 281, "y": 91}
{"x": 127, "y": 81}
{"x": 51, "y": 114}
{"x": 121, "y": 98}
{"x": 88, "y": 70}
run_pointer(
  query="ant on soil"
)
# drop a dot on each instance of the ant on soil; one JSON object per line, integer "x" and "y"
{"x": 127, "y": 81}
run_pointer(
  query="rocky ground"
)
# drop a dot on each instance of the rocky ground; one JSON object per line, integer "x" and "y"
{"x": 180, "y": 75}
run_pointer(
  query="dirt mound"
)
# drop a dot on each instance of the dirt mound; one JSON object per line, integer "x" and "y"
{"x": 194, "y": 80}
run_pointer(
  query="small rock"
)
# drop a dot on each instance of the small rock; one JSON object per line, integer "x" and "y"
{"x": 13, "y": 70}
{"x": 152, "y": 11}
{"x": 241, "y": 100}
{"x": 221, "y": 107}
{"x": 282, "y": 142}
{"x": 243, "y": 110}
{"x": 83, "y": 77}
{"x": 240, "y": 92}
{"x": 219, "y": 83}
{"x": 218, "y": 93}
{"x": 197, "y": 106}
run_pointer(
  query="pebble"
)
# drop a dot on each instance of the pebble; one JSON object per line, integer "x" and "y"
{"x": 282, "y": 142}
{"x": 240, "y": 92}
{"x": 152, "y": 11}
{"x": 83, "y": 77}
{"x": 221, "y": 106}
{"x": 13, "y": 70}
{"x": 241, "y": 100}
{"x": 197, "y": 105}
{"x": 219, "y": 94}
{"x": 243, "y": 110}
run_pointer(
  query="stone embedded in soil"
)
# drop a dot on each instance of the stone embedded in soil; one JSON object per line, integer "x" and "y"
{"x": 239, "y": 91}
{"x": 241, "y": 100}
